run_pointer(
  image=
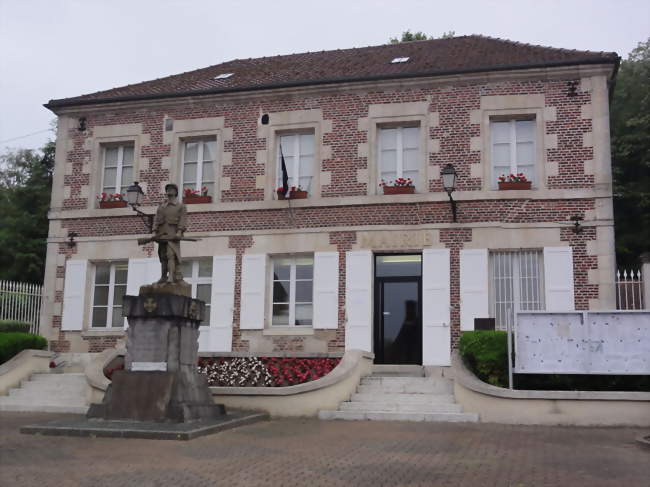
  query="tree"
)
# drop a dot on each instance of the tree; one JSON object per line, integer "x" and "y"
{"x": 630, "y": 127}
{"x": 25, "y": 187}
{"x": 408, "y": 36}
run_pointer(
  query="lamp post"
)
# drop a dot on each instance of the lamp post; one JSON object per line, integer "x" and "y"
{"x": 135, "y": 196}
{"x": 448, "y": 174}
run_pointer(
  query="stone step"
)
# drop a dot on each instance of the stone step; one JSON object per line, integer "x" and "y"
{"x": 398, "y": 416}
{"x": 401, "y": 407}
{"x": 50, "y": 401}
{"x": 398, "y": 370}
{"x": 428, "y": 387}
{"x": 37, "y": 394}
{"x": 392, "y": 380}
{"x": 48, "y": 393}
{"x": 61, "y": 378}
{"x": 403, "y": 398}
{"x": 44, "y": 408}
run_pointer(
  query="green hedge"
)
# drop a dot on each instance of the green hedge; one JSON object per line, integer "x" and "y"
{"x": 7, "y": 326}
{"x": 13, "y": 343}
{"x": 486, "y": 354}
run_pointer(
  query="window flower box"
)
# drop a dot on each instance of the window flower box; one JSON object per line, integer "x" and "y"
{"x": 399, "y": 186}
{"x": 399, "y": 189}
{"x": 111, "y": 200}
{"x": 112, "y": 204}
{"x": 509, "y": 185}
{"x": 293, "y": 194}
{"x": 195, "y": 196}
{"x": 513, "y": 182}
{"x": 193, "y": 200}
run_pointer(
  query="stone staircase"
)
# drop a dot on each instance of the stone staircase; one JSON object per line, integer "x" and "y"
{"x": 51, "y": 393}
{"x": 402, "y": 393}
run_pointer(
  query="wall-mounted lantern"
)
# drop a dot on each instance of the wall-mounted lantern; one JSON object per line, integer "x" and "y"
{"x": 135, "y": 197}
{"x": 448, "y": 174}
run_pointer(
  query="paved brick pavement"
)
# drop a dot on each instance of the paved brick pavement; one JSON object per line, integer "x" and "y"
{"x": 331, "y": 453}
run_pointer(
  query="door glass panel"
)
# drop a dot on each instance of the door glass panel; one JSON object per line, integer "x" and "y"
{"x": 398, "y": 265}
{"x": 402, "y": 335}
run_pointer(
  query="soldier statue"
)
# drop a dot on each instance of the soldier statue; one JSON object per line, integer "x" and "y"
{"x": 169, "y": 225}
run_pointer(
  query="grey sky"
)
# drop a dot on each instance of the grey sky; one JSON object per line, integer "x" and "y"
{"x": 61, "y": 48}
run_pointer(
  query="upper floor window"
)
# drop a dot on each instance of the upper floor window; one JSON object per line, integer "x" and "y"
{"x": 517, "y": 284}
{"x": 513, "y": 148}
{"x": 199, "y": 160}
{"x": 198, "y": 273}
{"x": 293, "y": 282}
{"x": 108, "y": 290}
{"x": 118, "y": 168}
{"x": 298, "y": 151}
{"x": 399, "y": 153}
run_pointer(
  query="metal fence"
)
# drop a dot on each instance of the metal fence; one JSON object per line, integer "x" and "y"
{"x": 21, "y": 301}
{"x": 629, "y": 290}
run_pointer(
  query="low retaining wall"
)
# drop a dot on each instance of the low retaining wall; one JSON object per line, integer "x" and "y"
{"x": 303, "y": 399}
{"x": 576, "y": 408}
{"x": 300, "y": 400}
{"x": 22, "y": 366}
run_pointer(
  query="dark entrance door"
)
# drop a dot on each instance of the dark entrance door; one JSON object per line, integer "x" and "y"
{"x": 398, "y": 309}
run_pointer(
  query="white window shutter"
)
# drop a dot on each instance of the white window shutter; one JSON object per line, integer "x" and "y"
{"x": 326, "y": 290}
{"x": 436, "y": 335}
{"x": 218, "y": 336}
{"x": 358, "y": 300}
{"x": 253, "y": 285}
{"x": 474, "y": 301}
{"x": 141, "y": 272}
{"x": 558, "y": 278}
{"x": 73, "y": 294}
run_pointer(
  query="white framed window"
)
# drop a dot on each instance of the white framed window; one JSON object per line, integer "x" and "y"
{"x": 109, "y": 288}
{"x": 293, "y": 283}
{"x": 517, "y": 284}
{"x": 513, "y": 148}
{"x": 298, "y": 150}
{"x": 199, "y": 164}
{"x": 117, "y": 174}
{"x": 399, "y": 153}
{"x": 198, "y": 273}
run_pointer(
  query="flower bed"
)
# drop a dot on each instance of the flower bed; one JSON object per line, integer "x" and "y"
{"x": 264, "y": 371}
{"x": 253, "y": 371}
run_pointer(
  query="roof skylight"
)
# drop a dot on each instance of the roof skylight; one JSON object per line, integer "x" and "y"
{"x": 400, "y": 60}
{"x": 223, "y": 76}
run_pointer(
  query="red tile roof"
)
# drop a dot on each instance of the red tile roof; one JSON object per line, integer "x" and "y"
{"x": 464, "y": 54}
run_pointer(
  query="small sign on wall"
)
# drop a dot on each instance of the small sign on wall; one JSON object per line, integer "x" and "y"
{"x": 148, "y": 366}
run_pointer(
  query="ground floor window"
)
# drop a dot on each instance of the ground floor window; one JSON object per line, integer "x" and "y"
{"x": 198, "y": 273}
{"x": 516, "y": 279}
{"x": 293, "y": 280}
{"x": 108, "y": 292}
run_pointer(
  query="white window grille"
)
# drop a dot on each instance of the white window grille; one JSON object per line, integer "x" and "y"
{"x": 293, "y": 282}
{"x": 108, "y": 293}
{"x": 199, "y": 160}
{"x": 198, "y": 273}
{"x": 513, "y": 148}
{"x": 399, "y": 150}
{"x": 629, "y": 290}
{"x": 516, "y": 284}
{"x": 298, "y": 151}
{"x": 118, "y": 168}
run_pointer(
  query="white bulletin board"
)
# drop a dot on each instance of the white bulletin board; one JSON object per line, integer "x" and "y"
{"x": 589, "y": 342}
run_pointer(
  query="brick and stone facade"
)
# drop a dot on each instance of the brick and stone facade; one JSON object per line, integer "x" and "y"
{"x": 345, "y": 210}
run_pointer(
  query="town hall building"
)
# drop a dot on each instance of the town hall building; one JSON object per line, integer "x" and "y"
{"x": 434, "y": 187}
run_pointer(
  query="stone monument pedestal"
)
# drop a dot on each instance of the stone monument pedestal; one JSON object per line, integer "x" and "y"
{"x": 160, "y": 382}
